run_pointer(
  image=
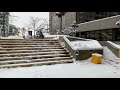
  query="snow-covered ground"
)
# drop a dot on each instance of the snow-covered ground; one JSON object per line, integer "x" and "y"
{"x": 110, "y": 68}
{"x": 12, "y": 37}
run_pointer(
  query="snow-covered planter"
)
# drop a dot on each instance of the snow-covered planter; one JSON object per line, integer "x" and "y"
{"x": 81, "y": 49}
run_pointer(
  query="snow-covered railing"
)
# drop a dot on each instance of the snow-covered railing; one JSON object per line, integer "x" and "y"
{"x": 80, "y": 53}
{"x": 114, "y": 48}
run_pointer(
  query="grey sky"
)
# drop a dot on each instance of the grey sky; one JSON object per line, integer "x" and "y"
{"x": 23, "y": 17}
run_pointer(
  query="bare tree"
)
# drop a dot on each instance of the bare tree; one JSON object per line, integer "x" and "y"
{"x": 37, "y": 23}
{"x": 12, "y": 18}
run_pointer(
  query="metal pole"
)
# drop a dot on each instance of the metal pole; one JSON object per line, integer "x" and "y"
{"x": 60, "y": 23}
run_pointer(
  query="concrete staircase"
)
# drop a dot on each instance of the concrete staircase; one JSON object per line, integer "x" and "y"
{"x": 34, "y": 52}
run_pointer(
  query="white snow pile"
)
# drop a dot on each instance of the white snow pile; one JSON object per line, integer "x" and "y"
{"x": 86, "y": 45}
{"x": 12, "y": 37}
{"x": 96, "y": 54}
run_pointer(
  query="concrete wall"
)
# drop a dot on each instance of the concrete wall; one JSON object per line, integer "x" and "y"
{"x": 54, "y": 22}
{"x": 68, "y": 19}
{"x": 116, "y": 42}
{"x": 100, "y": 24}
{"x": 113, "y": 48}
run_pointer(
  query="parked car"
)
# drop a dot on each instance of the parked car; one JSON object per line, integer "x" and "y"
{"x": 39, "y": 34}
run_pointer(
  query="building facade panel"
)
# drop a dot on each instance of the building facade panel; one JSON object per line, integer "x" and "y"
{"x": 105, "y": 23}
{"x": 4, "y": 23}
{"x": 68, "y": 19}
{"x": 54, "y": 22}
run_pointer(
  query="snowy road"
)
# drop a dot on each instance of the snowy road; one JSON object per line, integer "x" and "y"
{"x": 79, "y": 69}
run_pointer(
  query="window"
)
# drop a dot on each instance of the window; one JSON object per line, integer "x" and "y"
{"x": 98, "y": 35}
{"x": 109, "y": 35}
{"x": 83, "y": 34}
{"x": 77, "y": 34}
{"x": 118, "y": 34}
{"x": 104, "y": 35}
{"x": 91, "y": 35}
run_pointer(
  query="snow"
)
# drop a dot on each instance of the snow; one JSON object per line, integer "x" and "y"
{"x": 97, "y": 54}
{"x": 78, "y": 69}
{"x": 108, "y": 55}
{"x": 110, "y": 67}
{"x": 12, "y": 37}
{"x": 53, "y": 36}
{"x": 86, "y": 45}
{"x": 81, "y": 69}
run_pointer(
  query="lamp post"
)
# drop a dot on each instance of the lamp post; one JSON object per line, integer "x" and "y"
{"x": 74, "y": 25}
{"x": 60, "y": 14}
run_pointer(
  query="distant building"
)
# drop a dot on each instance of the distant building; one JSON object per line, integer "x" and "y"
{"x": 13, "y": 30}
{"x": 79, "y": 17}
{"x": 4, "y": 23}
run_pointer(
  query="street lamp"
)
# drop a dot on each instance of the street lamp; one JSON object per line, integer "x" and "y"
{"x": 60, "y": 14}
{"x": 74, "y": 25}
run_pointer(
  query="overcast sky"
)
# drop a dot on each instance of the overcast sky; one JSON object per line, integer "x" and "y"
{"x": 23, "y": 17}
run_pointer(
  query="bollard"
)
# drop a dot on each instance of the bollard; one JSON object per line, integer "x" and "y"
{"x": 118, "y": 53}
{"x": 96, "y": 58}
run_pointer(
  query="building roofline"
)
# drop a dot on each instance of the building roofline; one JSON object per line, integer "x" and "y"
{"x": 99, "y": 19}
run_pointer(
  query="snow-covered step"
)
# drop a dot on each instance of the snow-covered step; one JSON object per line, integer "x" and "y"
{"x": 4, "y": 46}
{"x": 34, "y": 53}
{"x": 34, "y": 60}
{"x": 31, "y": 48}
{"x": 36, "y": 63}
{"x": 29, "y": 39}
{"x": 28, "y": 51}
{"x": 19, "y": 41}
{"x": 14, "y": 53}
{"x": 34, "y": 57}
{"x": 29, "y": 44}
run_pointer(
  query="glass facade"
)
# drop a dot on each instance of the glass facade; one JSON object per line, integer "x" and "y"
{"x": 101, "y": 35}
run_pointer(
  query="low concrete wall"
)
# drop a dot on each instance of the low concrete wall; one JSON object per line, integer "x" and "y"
{"x": 113, "y": 48}
{"x": 79, "y": 54}
{"x": 68, "y": 46}
{"x": 86, "y": 54}
{"x": 116, "y": 42}
{"x": 102, "y": 43}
